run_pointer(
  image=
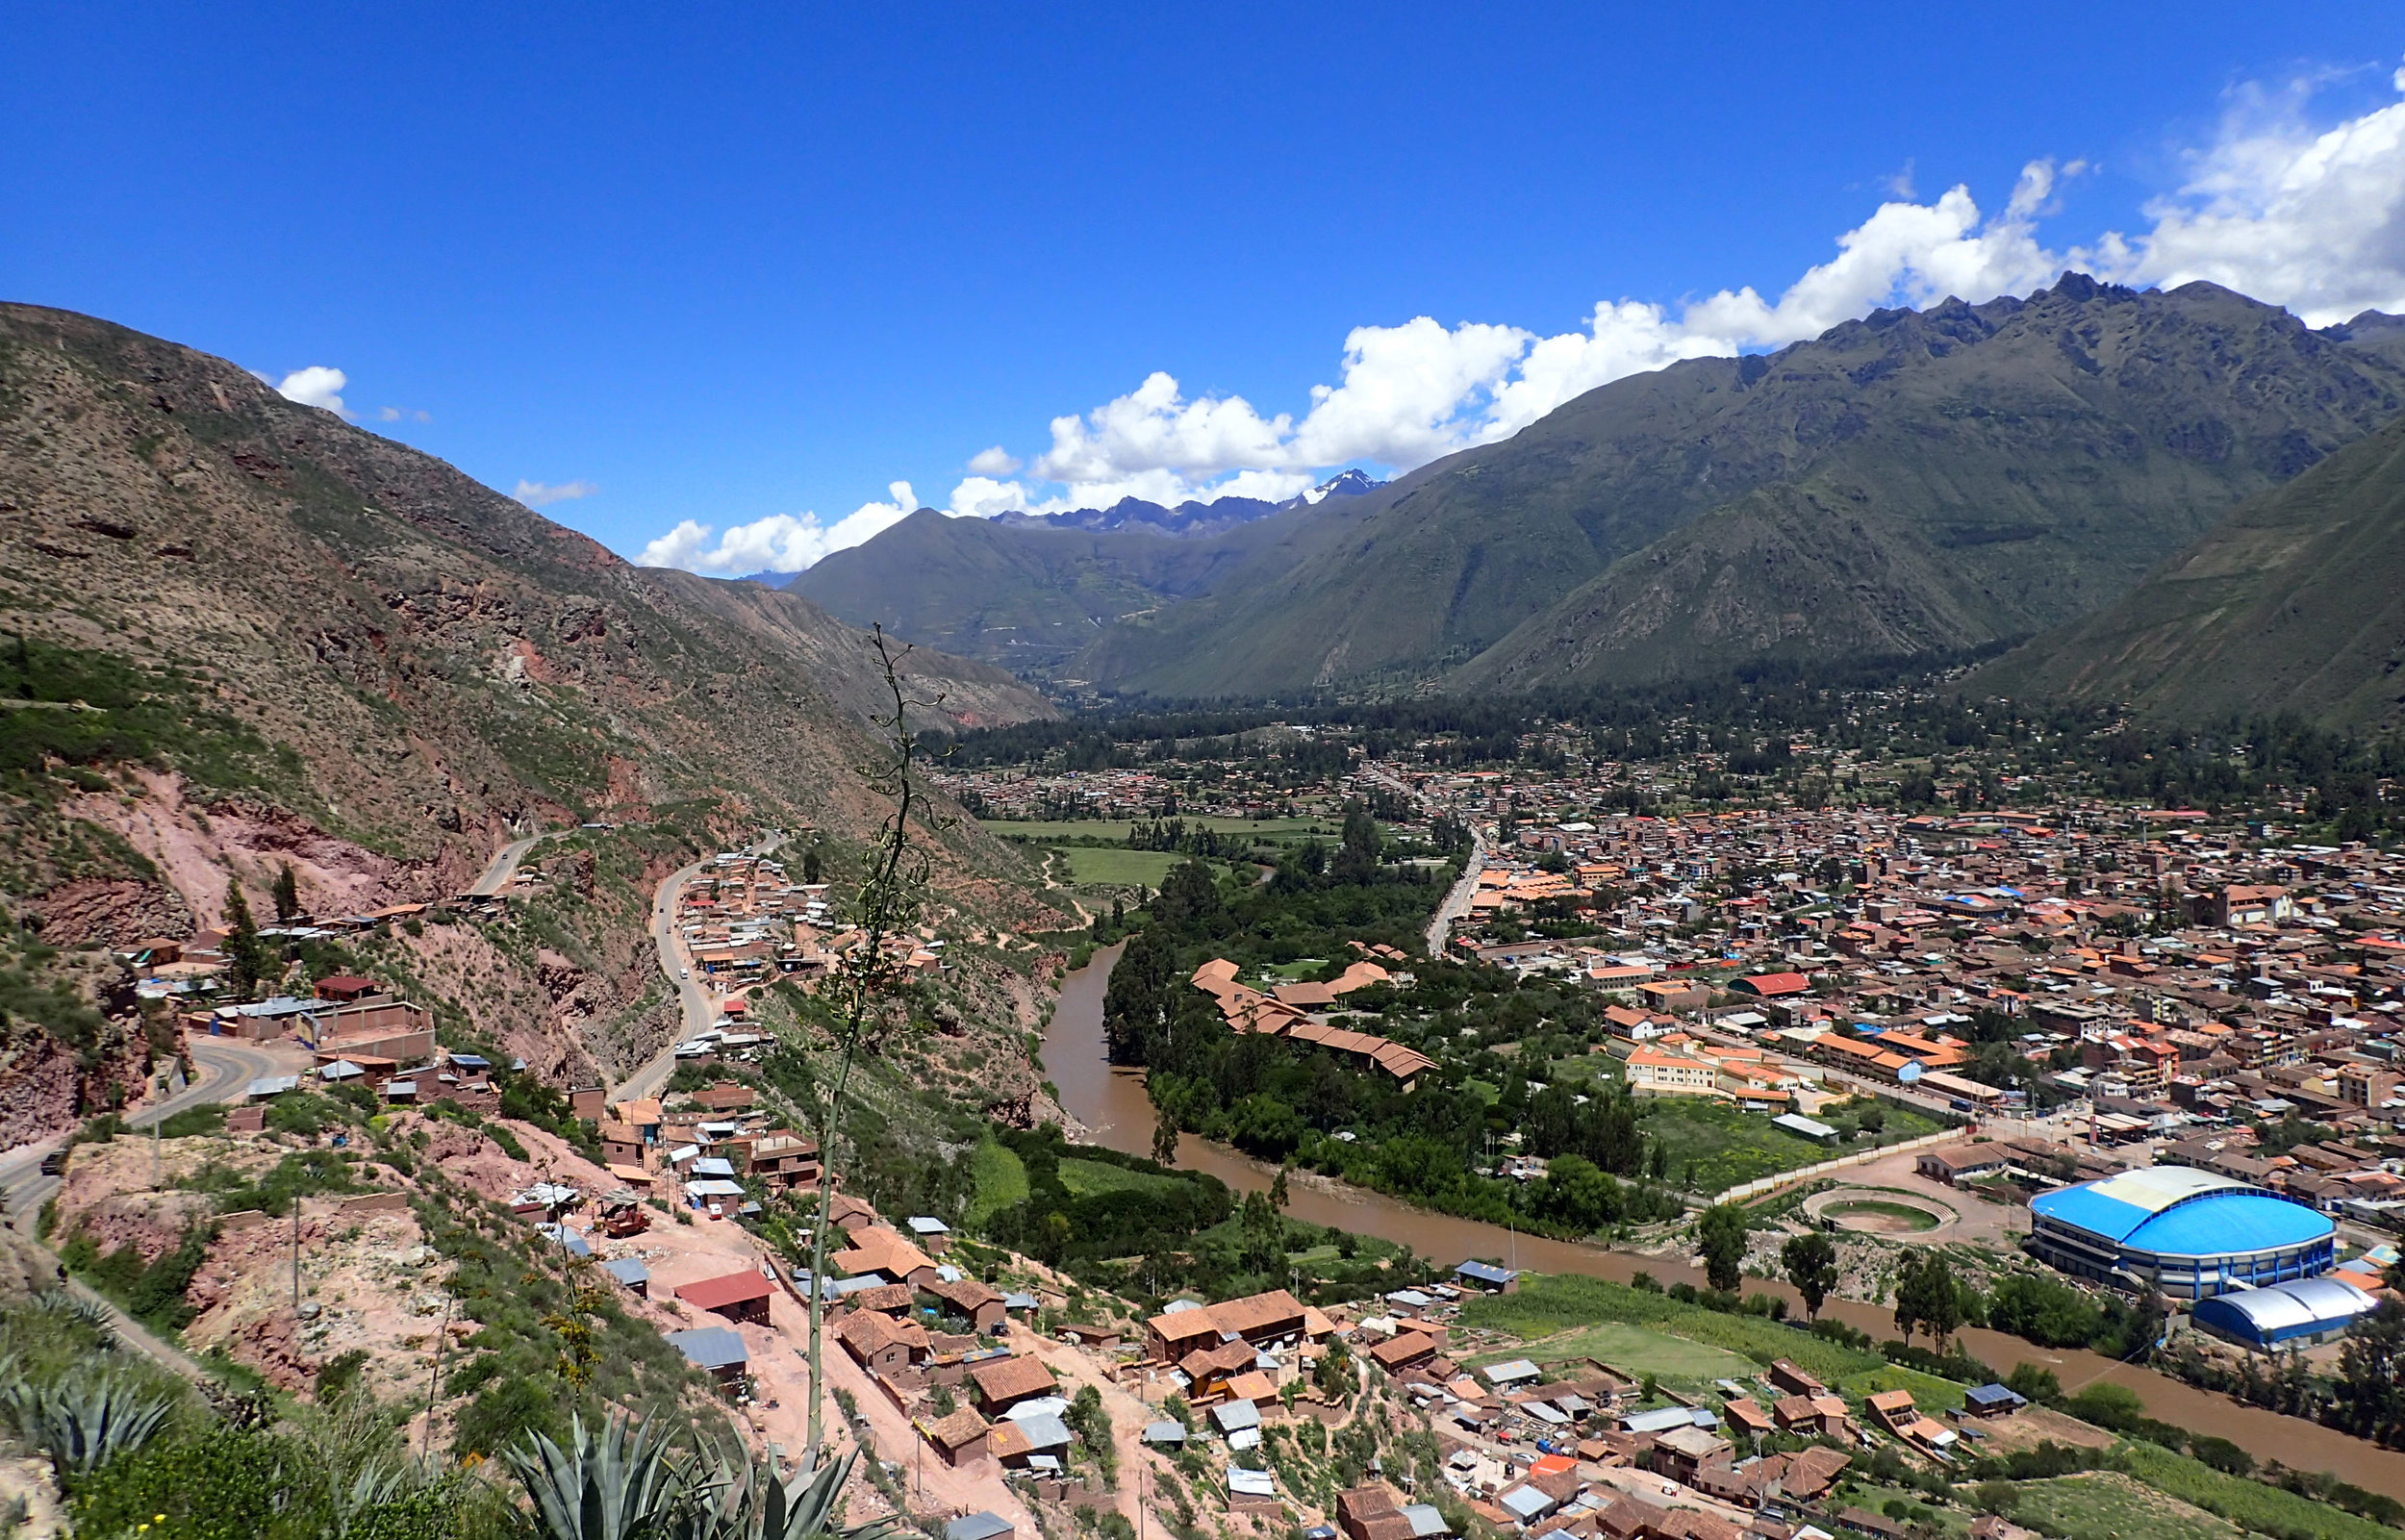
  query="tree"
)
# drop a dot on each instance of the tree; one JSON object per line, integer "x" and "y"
{"x": 1722, "y": 1232}
{"x": 1165, "y": 1139}
{"x": 287, "y": 894}
{"x": 1912, "y": 1298}
{"x": 2372, "y": 1374}
{"x": 1277, "y": 1193}
{"x": 247, "y": 959}
{"x": 810, "y": 867}
{"x": 1333, "y": 1374}
{"x": 1812, "y": 1263}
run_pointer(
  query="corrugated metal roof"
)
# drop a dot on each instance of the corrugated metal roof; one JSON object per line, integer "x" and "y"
{"x": 2285, "y": 1309}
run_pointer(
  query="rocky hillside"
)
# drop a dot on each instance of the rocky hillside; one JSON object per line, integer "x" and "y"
{"x": 241, "y": 634}
{"x": 1911, "y": 480}
{"x": 2295, "y": 602}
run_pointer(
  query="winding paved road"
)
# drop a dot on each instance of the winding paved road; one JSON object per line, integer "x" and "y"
{"x": 698, "y": 1009}
{"x": 503, "y": 866}
{"x": 227, "y": 1069}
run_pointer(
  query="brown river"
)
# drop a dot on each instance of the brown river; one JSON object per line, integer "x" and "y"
{"x": 1112, "y": 1103}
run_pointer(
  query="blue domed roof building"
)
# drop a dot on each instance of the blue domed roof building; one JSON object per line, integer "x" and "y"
{"x": 2187, "y": 1232}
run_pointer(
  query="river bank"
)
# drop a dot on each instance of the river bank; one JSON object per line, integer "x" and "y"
{"x": 1112, "y": 1105}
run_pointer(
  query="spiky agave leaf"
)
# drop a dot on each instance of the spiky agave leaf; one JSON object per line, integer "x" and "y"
{"x": 619, "y": 1484}
{"x": 747, "y": 1501}
{"x": 85, "y": 1419}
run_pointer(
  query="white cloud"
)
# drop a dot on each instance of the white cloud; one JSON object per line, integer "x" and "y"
{"x": 542, "y": 495}
{"x": 2312, "y": 218}
{"x": 317, "y": 386}
{"x": 781, "y": 543}
{"x": 403, "y": 414}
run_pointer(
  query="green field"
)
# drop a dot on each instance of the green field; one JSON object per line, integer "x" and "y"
{"x": 1117, "y": 828}
{"x": 1085, "y": 1177}
{"x": 2259, "y": 1507}
{"x": 1118, "y": 868}
{"x": 1000, "y": 1178}
{"x": 1558, "y": 1303}
{"x": 2108, "y": 1505}
{"x": 1639, "y": 1350}
{"x": 1728, "y": 1147}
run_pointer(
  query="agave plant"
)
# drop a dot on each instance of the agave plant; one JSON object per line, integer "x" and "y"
{"x": 85, "y": 1421}
{"x": 89, "y": 1314}
{"x": 615, "y": 1483}
{"x": 750, "y": 1502}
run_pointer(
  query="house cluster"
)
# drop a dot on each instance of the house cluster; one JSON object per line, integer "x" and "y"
{"x": 1240, "y": 788}
{"x": 1575, "y": 1452}
{"x": 745, "y": 921}
{"x": 707, "y": 1144}
{"x": 1299, "y": 1011}
{"x": 2175, "y": 977}
{"x": 165, "y": 967}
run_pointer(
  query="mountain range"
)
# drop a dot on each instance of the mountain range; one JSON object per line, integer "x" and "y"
{"x": 1915, "y": 481}
{"x": 1029, "y": 591}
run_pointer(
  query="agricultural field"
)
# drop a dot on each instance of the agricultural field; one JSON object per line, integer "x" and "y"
{"x": 2109, "y": 1506}
{"x": 1085, "y": 1177}
{"x": 1725, "y": 1147}
{"x": 1639, "y": 1350}
{"x": 1092, "y": 866}
{"x": 999, "y": 1179}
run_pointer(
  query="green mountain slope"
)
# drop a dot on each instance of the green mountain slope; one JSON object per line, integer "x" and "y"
{"x": 1019, "y": 594}
{"x": 2295, "y": 602}
{"x": 2013, "y": 465}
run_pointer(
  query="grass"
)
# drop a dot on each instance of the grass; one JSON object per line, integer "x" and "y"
{"x": 2108, "y": 1505}
{"x": 1930, "y": 1392}
{"x": 1299, "y": 968}
{"x": 1553, "y": 1302}
{"x": 998, "y": 1178}
{"x": 1118, "y": 868}
{"x": 1085, "y": 1177}
{"x": 2253, "y": 1504}
{"x": 1727, "y": 1146}
{"x": 1637, "y": 1349}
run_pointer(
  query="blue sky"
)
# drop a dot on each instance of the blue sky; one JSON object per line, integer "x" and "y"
{"x": 747, "y": 267}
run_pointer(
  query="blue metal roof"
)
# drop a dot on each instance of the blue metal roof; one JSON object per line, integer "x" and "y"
{"x": 2180, "y": 1211}
{"x": 2230, "y": 1223}
{"x": 711, "y": 1347}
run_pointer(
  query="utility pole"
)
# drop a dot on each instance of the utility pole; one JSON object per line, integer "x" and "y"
{"x": 434, "y": 1379}
{"x": 297, "y": 1254}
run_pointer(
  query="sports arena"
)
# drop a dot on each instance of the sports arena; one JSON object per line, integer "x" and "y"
{"x": 2187, "y": 1232}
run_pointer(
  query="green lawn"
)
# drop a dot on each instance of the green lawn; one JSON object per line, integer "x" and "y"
{"x": 1084, "y": 1178}
{"x": 1638, "y": 1350}
{"x": 1118, "y": 868}
{"x": 1299, "y": 968}
{"x": 2109, "y": 1506}
{"x": 1000, "y": 1178}
{"x": 1728, "y": 1147}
